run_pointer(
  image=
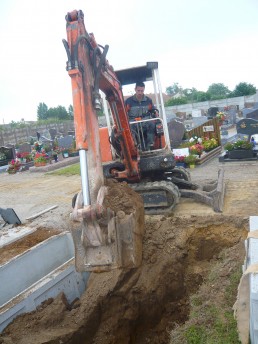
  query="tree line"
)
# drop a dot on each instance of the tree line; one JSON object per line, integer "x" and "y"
{"x": 215, "y": 91}
{"x": 59, "y": 112}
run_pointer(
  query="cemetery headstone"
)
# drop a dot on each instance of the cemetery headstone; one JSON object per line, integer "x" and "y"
{"x": 46, "y": 140}
{"x": 52, "y": 133}
{"x": 8, "y": 153}
{"x": 65, "y": 142}
{"x": 253, "y": 114}
{"x": 247, "y": 126}
{"x": 212, "y": 112}
{"x": 46, "y": 134}
{"x": 176, "y": 131}
{"x": 24, "y": 148}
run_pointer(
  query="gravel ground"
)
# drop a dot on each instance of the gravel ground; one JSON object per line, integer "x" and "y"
{"x": 30, "y": 193}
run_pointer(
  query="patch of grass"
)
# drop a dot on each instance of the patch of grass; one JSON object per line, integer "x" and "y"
{"x": 67, "y": 171}
{"x": 232, "y": 287}
{"x": 195, "y": 335}
{"x": 211, "y": 319}
{"x": 220, "y": 329}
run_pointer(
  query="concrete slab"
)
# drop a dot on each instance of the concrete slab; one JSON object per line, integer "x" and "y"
{"x": 3, "y": 168}
{"x": 38, "y": 274}
{"x": 9, "y": 235}
{"x": 252, "y": 258}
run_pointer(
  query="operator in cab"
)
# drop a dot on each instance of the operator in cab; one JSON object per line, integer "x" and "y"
{"x": 140, "y": 107}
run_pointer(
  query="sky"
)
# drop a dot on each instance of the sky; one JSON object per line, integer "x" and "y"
{"x": 196, "y": 43}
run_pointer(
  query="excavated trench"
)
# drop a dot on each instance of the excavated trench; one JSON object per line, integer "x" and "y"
{"x": 141, "y": 305}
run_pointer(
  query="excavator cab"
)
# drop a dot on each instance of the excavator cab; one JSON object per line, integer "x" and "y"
{"x": 148, "y": 73}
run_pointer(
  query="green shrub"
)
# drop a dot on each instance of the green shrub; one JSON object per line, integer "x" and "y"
{"x": 239, "y": 144}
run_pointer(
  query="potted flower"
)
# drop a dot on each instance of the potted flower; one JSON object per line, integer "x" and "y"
{"x": 72, "y": 150}
{"x": 221, "y": 117}
{"x": 196, "y": 149}
{"x": 13, "y": 166}
{"x": 209, "y": 143}
{"x": 240, "y": 149}
{"x": 65, "y": 152}
{"x": 26, "y": 157}
{"x": 190, "y": 160}
{"x": 37, "y": 146}
{"x": 180, "y": 160}
{"x": 40, "y": 159}
{"x": 195, "y": 139}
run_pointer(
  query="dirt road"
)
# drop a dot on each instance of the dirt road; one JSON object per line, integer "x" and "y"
{"x": 29, "y": 193}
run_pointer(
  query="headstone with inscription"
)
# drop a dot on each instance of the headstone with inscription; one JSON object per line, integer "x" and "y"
{"x": 247, "y": 126}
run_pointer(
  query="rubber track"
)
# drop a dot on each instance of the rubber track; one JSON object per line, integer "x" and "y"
{"x": 171, "y": 190}
{"x": 181, "y": 171}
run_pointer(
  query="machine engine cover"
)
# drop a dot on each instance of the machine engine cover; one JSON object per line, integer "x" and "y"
{"x": 157, "y": 161}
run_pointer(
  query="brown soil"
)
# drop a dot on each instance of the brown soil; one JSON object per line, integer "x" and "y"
{"x": 121, "y": 197}
{"x": 143, "y": 305}
{"x": 20, "y": 246}
{"x": 139, "y": 305}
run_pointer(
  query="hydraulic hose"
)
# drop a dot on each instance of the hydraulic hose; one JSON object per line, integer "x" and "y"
{"x": 68, "y": 53}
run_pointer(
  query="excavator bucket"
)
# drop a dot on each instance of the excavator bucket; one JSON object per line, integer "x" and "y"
{"x": 107, "y": 239}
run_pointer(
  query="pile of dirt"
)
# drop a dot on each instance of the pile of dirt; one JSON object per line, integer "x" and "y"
{"x": 121, "y": 197}
{"x": 141, "y": 305}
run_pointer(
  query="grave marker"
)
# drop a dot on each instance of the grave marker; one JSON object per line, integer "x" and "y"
{"x": 9, "y": 153}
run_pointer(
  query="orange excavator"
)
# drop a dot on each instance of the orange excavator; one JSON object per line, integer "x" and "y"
{"x": 152, "y": 174}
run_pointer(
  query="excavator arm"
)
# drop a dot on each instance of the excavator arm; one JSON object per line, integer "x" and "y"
{"x": 102, "y": 233}
{"x": 90, "y": 72}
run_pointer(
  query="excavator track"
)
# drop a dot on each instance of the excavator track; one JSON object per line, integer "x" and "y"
{"x": 159, "y": 197}
{"x": 179, "y": 172}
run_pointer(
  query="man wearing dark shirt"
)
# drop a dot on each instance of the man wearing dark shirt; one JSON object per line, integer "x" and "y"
{"x": 141, "y": 106}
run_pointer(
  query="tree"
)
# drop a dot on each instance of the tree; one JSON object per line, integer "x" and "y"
{"x": 188, "y": 92}
{"x": 243, "y": 89}
{"x": 200, "y": 96}
{"x": 58, "y": 113}
{"x": 176, "y": 101}
{"x": 42, "y": 111}
{"x": 70, "y": 111}
{"x": 218, "y": 91}
{"x": 174, "y": 89}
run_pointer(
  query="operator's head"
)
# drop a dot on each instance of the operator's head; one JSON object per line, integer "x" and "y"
{"x": 139, "y": 90}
